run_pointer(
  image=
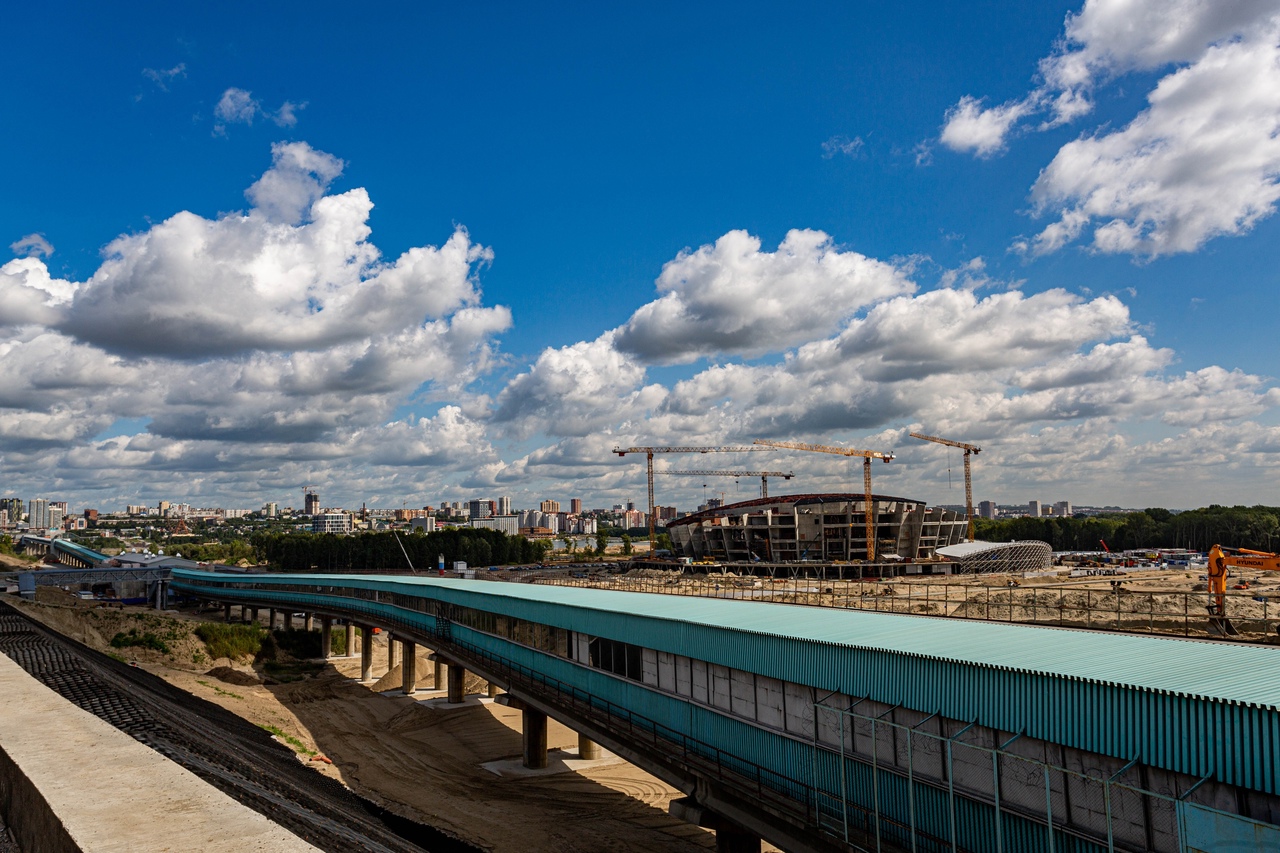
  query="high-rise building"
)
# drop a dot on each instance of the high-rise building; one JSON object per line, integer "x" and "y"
{"x": 481, "y": 508}
{"x": 504, "y": 505}
{"x": 14, "y": 508}
{"x": 271, "y": 509}
{"x": 549, "y": 506}
{"x": 331, "y": 522}
{"x": 575, "y": 506}
{"x": 311, "y": 505}
{"x": 1062, "y": 508}
{"x": 986, "y": 509}
{"x": 631, "y": 506}
{"x": 38, "y": 513}
{"x": 55, "y": 518}
{"x": 1034, "y": 509}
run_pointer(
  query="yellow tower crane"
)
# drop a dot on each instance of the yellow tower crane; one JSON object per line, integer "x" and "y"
{"x": 763, "y": 475}
{"x": 649, "y": 451}
{"x": 968, "y": 481}
{"x": 868, "y": 509}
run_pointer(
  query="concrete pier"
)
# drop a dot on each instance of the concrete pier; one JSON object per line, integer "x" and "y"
{"x": 534, "y": 741}
{"x": 393, "y": 653}
{"x": 366, "y": 653}
{"x": 588, "y": 750}
{"x": 72, "y": 782}
{"x": 730, "y": 838}
{"x": 308, "y": 622}
{"x": 326, "y": 637}
{"x": 271, "y": 619}
{"x": 439, "y": 674}
{"x": 493, "y": 690}
{"x": 410, "y": 669}
{"x": 226, "y": 613}
{"x": 457, "y": 683}
{"x": 351, "y": 640}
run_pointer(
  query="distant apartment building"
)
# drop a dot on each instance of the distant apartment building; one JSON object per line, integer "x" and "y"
{"x": 504, "y": 505}
{"x": 13, "y": 508}
{"x": 1034, "y": 509}
{"x": 665, "y": 513}
{"x": 38, "y": 514}
{"x": 634, "y": 518}
{"x": 575, "y": 506}
{"x": 331, "y": 522}
{"x": 271, "y": 509}
{"x": 55, "y": 518}
{"x": 135, "y": 509}
{"x": 987, "y": 509}
{"x": 425, "y": 524}
{"x": 549, "y": 506}
{"x": 311, "y": 503}
{"x": 1062, "y": 508}
{"x": 480, "y": 509}
{"x": 506, "y": 523}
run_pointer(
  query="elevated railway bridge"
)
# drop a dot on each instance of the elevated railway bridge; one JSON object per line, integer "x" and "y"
{"x": 825, "y": 730}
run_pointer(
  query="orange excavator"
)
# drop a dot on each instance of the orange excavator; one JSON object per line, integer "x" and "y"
{"x": 1220, "y": 560}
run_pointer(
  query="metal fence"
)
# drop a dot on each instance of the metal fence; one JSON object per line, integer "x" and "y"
{"x": 1176, "y": 613}
{"x": 906, "y": 787}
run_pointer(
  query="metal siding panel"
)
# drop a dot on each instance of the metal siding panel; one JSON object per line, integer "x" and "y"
{"x": 963, "y": 671}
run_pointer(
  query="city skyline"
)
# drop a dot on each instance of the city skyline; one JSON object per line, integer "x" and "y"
{"x": 270, "y": 270}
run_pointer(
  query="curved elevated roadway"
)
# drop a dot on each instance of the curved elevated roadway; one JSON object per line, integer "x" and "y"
{"x": 851, "y": 730}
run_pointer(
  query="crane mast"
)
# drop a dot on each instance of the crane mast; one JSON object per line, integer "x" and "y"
{"x": 968, "y": 480}
{"x": 867, "y": 456}
{"x": 649, "y": 451}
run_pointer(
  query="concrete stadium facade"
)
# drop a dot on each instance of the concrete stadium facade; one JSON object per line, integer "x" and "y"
{"x": 819, "y": 527}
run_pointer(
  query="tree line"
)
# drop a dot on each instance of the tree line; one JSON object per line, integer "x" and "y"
{"x": 371, "y": 552}
{"x": 1256, "y": 527}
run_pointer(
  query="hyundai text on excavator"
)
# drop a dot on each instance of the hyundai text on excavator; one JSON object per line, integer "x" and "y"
{"x": 1220, "y": 560}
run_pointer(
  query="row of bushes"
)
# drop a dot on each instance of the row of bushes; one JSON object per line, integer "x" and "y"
{"x": 234, "y": 641}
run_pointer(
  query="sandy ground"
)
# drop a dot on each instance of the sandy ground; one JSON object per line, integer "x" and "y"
{"x": 1170, "y": 601}
{"x": 409, "y": 756}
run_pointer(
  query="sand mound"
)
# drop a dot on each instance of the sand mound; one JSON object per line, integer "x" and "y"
{"x": 393, "y": 678}
{"x": 234, "y": 676}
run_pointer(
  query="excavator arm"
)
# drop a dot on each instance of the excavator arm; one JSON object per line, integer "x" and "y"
{"x": 1220, "y": 561}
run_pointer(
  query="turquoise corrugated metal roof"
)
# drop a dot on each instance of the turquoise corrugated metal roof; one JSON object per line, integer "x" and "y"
{"x": 1228, "y": 672}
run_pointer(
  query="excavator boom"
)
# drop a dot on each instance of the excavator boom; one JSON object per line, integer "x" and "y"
{"x": 1220, "y": 561}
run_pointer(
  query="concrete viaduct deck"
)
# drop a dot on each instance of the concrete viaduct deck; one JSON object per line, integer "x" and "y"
{"x": 838, "y": 731}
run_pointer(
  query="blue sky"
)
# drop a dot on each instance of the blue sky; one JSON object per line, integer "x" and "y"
{"x": 1126, "y": 357}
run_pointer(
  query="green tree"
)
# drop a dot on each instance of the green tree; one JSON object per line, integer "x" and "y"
{"x": 626, "y": 545}
{"x": 602, "y": 542}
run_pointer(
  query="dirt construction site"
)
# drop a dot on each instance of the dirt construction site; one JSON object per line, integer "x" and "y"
{"x": 451, "y": 768}
{"x": 1158, "y": 601}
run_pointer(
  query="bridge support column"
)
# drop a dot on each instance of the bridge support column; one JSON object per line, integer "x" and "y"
{"x": 493, "y": 690}
{"x": 410, "y": 669}
{"x": 253, "y": 615}
{"x": 730, "y": 838}
{"x": 393, "y": 657}
{"x": 534, "y": 726}
{"x": 457, "y": 683}
{"x": 588, "y": 750}
{"x": 226, "y": 613}
{"x": 439, "y": 673}
{"x": 160, "y": 598}
{"x": 351, "y": 640}
{"x": 308, "y": 622}
{"x": 366, "y": 653}
{"x": 271, "y": 619}
{"x": 326, "y": 637}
